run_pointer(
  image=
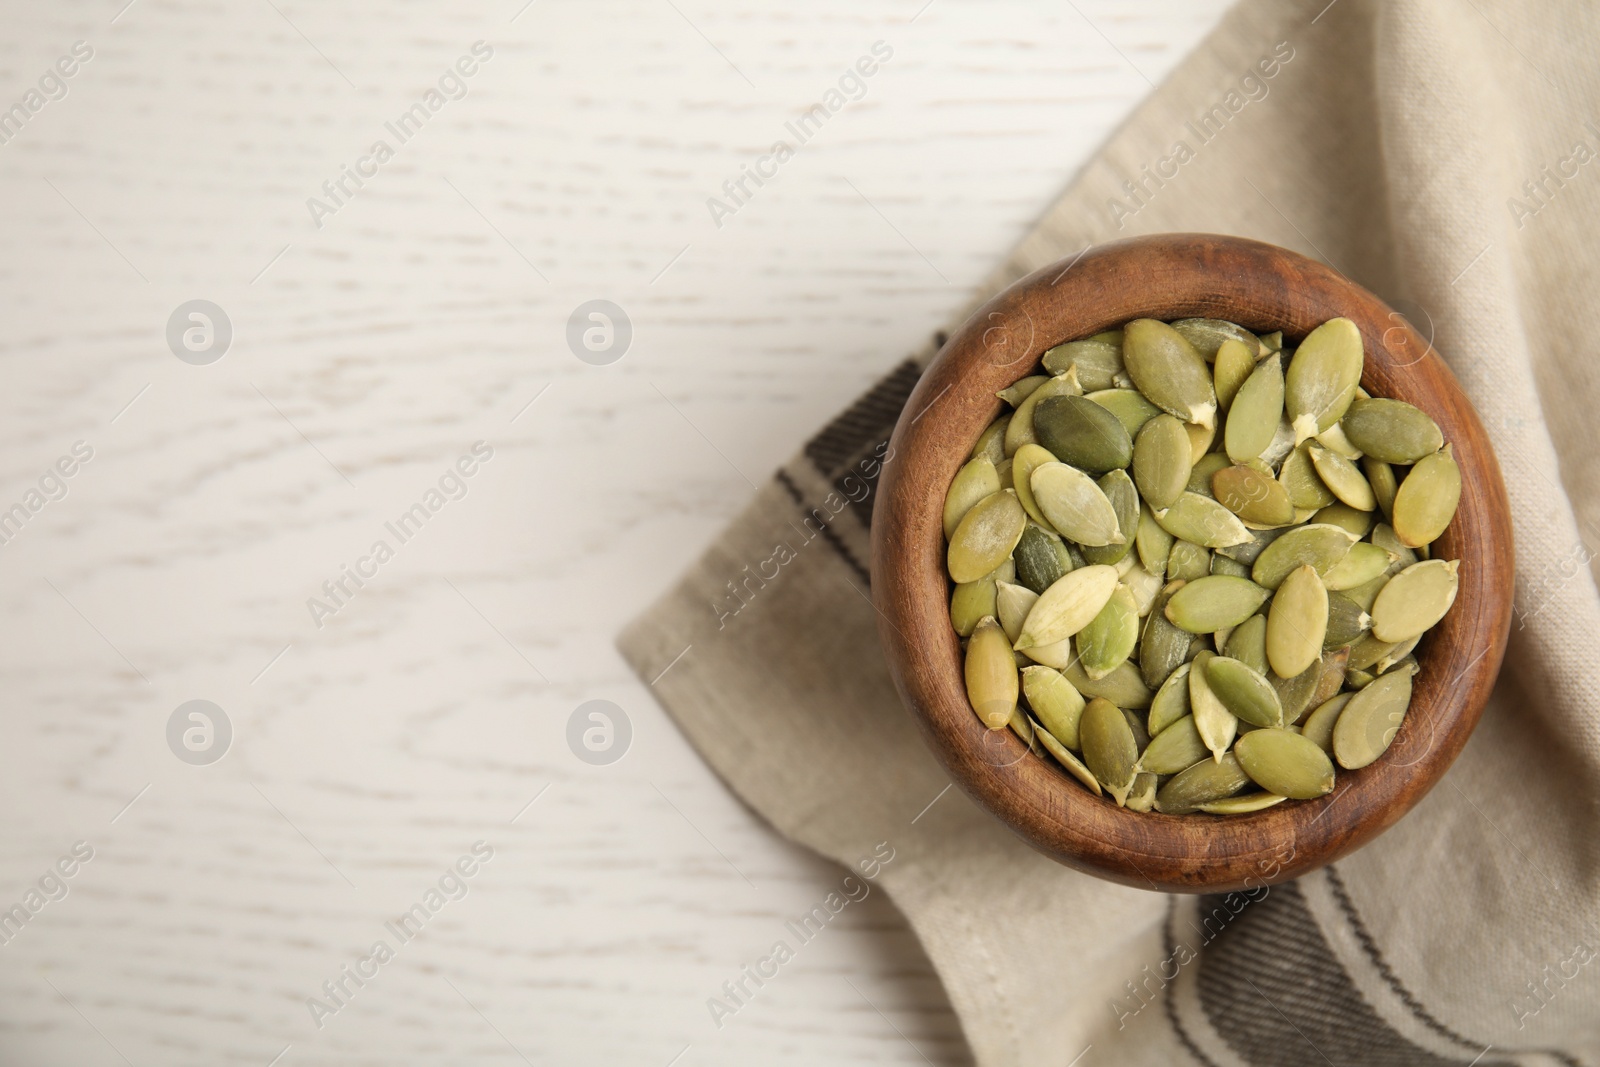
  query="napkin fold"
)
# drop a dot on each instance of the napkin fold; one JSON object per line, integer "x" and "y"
{"x": 1443, "y": 153}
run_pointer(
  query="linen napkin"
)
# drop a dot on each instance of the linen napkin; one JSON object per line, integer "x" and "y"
{"x": 1445, "y": 154}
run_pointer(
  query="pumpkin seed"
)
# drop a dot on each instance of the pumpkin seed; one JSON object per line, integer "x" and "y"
{"x": 1426, "y": 501}
{"x": 1073, "y": 764}
{"x": 1018, "y": 391}
{"x": 1162, "y": 646}
{"x": 1205, "y": 783}
{"x": 1170, "y": 703}
{"x": 1124, "y": 499}
{"x": 1297, "y": 622}
{"x": 991, "y": 674}
{"x": 970, "y": 602}
{"x": 1334, "y": 440}
{"x": 1130, "y": 408}
{"x": 1201, "y": 439}
{"x": 1208, "y": 604}
{"x": 1023, "y": 728}
{"x": 1251, "y": 550}
{"x": 1244, "y": 692}
{"x": 1257, "y": 409}
{"x": 1154, "y": 543}
{"x": 1173, "y": 749}
{"x": 1161, "y": 460}
{"x": 1122, "y": 686}
{"x": 1097, "y": 360}
{"x": 1318, "y": 727}
{"x": 1233, "y": 364}
{"x": 976, "y": 480}
{"x": 1358, "y": 679}
{"x": 1075, "y": 505}
{"x": 1347, "y": 621}
{"x": 1248, "y": 643}
{"x": 991, "y": 442}
{"x": 1384, "y": 537}
{"x": 1142, "y": 797}
{"x": 985, "y": 536}
{"x": 1109, "y": 748}
{"x": 1366, "y": 653}
{"x": 1209, "y": 335}
{"x": 1012, "y": 604}
{"x": 1391, "y": 430}
{"x": 1252, "y": 495}
{"x": 1295, "y": 693}
{"x": 1301, "y": 481}
{"x": 1187, "y": 561}
{"x": 1321, "y": 545}
{"x": 1364, "y": 562}
{"x": 1057, "y": 654}
{"x": 1221, "y": 564}
{"x": 1144, "y": 586}
{"x": 1110, "y": 636}
{"x": 1343, "y": 478}
{"x": 1285, "y": 763}
{"x": 1323, "y": 377}
{"x": 1020, "y": 431}
{"x": 1039, "y": 564}
{"x": 1204, "y": 470}
{"x": 1370, "y": 720}
{"x": 1203, "y": 521}
{"x": 1415, "y": 599}
{"x": 1068, "y": 606}
{"x": 1331, "y": 679}
{"x": 1272, "y": 342}
{"x": 1141, "y": 737}
{"x": 1080, "y": 432}
{"x": 1168, "y": 371}
{"x": 1398, "y": 654}
{"x": 1217, "y": 725}
{"x": 1028, "y": 459}
{"x": 1054, "y": 701}
{"x": 1241, "y": 805}
{"x": 1353, "y": 522}
{"x": 1382, "y": 478}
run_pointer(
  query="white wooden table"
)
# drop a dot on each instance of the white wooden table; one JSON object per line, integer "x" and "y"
{"x": 427, "y": 312}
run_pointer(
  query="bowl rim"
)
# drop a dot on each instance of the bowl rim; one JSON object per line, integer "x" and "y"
{"x": 1172, "y": 276}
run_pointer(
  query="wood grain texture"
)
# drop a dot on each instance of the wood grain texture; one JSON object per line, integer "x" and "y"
{"x": 1172, "y": 276}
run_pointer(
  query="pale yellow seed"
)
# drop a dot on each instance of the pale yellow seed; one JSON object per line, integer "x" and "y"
{"x": 1297, "y": 622}
{"x": 976, "y": 480}
{"x": 991, "y": 674}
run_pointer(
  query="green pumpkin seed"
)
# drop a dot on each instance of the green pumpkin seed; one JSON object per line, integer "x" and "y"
{"x": 1232, "y": 367}
{"x": 1144, "y": 586}
{"x": 1082, "y": 433}
{"x": 1205, "y": 783}
{"x": 1391, "y": 430}
{"x": 1384, "y": 537}
{"x": 1323, "y": 377}
{"x": 1301, "y": 481}
{"x": 1075, "y": 505}
{"x": 1124, "y": 498}
{"x": 1109, "y": 748}
{"x": 976, "y": 480}
{"x": 1272, "y": 342}
{"x": 991, "y": 442}
{"x": 1295, "y": 693}
{"x": 1321, "y": 545}
{"x": 1382, "y": 478}
{"x": 1204, "y": 470}
{"x": 970, "y": 602}
{"x": 1110, "y": 636}
{"x": 1162, "y": 646}
{"x": 1221, "y": 564}
{"x": 1122, "y": 686}
{"x": 1173, "y": 749}
{"x": 1334, "y": 440}
{"x": 991, "y": 674}
{"x": 1208, "y": 604}
{"x": 1018, "y": 391}
{"x": 1297, "y": 622}
{"x": 1364, "y": 596}
{"x": 1003, "y": 472}
{"x": 1426, "y": 501}
{"x": 1252, "y": 495}
{"x": 1161, "y": 460}
{"x": 1209, "y": 335}
{"x": 1203, "y": 521}
{"x": 1347, "y": 621}
{"x": 1153, "y": 543}
{"x": 1251, "y": 550}
{"x": 1248, "y": 643}
{"x": 1028, "y": 459}
{"x": 1343, "y": 478}
{"x": 1073, "y": 764}
{"x": 1142, "y": 797}
{"x": 1398, "y": 654}
{"x": 1366, "y": 653}
{"x": 1353, "y": 522}
{"x": 1241, "y": 805}
{"x": 1141, "y": 737}
{"x": 1039, "y": 565}
{"x": 1068, "y": 606}
{"x": 1054, "y": 701}
{"x": 1257, "y": 409}
{"x": 1168, "y": 371}
{"x": 1023, "y": 728}
{"x": 1057, "y": 654}
{"x": 985, "y": 536}
{"x": 1171, "y": 701}
{"x": 1244, "y": 692}
{"x": 1187, "y": 561}
{"x": 1200, "y": 440}
{"x": 1130, "y": 408}
{"x": 1364, "y": 562}
{"x": 1358, "y": 679}
{"x": 1318, "y": 727}
{"x": 1370, "y": 720}
{"x": 1012, "y": 604}
{"x": 1216, "y": 724}
{"x": 1415, "y": 599}
{"x": 1097, "y": 360}
{"x": 1020, "y": 430}
{"x": 1334, "y": 664}
{"x": 1285, "y": 763}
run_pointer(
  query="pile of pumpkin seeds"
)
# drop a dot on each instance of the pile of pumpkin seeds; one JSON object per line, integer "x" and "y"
{"x": 1192, "y": 563}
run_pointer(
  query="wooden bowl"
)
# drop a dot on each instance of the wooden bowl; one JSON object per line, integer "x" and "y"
{"x": 1173, "y": 276}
